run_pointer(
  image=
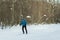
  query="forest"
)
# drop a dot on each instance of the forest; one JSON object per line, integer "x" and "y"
{"x": 40, "y": 11}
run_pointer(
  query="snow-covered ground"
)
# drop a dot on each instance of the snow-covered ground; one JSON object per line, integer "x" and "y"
{"x": 35, "y": 32}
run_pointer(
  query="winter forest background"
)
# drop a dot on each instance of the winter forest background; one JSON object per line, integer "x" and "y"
{"x": 40, "y": 11}
{"x": 43, "y": 17}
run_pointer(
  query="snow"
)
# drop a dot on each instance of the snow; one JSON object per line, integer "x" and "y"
{"x": 35, "y": 32}
{"x": 28, "y": 16}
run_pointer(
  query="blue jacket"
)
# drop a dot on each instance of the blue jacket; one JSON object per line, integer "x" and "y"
{"x": 23, "y": 22}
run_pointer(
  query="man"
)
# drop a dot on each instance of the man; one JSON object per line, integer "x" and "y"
{"x": 23, "y": 23}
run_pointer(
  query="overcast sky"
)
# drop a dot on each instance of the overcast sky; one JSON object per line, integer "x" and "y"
{"x": 55, "y": 1}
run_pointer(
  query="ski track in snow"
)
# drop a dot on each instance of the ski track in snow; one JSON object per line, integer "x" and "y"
{"x": 35, "y": 32}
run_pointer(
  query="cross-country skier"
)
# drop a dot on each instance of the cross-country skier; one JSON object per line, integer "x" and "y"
{"x": 23, "y": 23}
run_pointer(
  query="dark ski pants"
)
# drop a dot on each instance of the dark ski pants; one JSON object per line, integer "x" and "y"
{"x": 24, "y": 27}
